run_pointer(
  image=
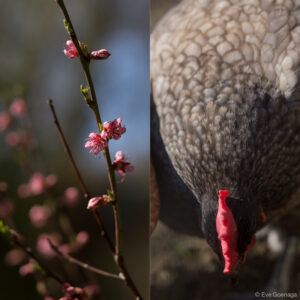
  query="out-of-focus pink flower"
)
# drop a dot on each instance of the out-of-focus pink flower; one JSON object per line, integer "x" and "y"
{"x": 51, "y": 180}
{"x": 98, "y": 202}
{"x": 82, "y": 237}
{"x": 15, "y": 257}
{"x": 71, "y": 196}
{"x": 13, "y": 139}
{"x": 100, "y": 54}
{"x": 66, "y": 248}
{"x": 5, "y": 120}
{"x": 24, "y": 191}
{"x": 18, "y": 107}
{"x": 3, "y": 187}
{"x": 39, "y": 215}
{"x": 121, "y": 165}
{"x": 37, "y": 183}
{"x": 70, "y": 49}
{"x": 26, "y": 269}
{"x": 43, "y": 246}
{"x": 114, "y": 130}
{"x": 92, "y": 290}
{"x": 97, "y": 142}
{"x": 48, "y": 298}
{"x": 6, "y": 208}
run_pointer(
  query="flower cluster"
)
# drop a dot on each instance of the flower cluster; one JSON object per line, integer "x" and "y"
{"x": 16, "y": 109}
{"x": 37, "y": 185}
{"x": 71, "y": 51}
{"x": 111, "y": 130}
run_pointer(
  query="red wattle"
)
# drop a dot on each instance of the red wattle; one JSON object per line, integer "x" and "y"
{"x": 263, "y": 217}
{"x": 227, "y": 234}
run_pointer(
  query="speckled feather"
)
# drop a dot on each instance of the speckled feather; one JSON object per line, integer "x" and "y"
{"x": 225, "y": 82}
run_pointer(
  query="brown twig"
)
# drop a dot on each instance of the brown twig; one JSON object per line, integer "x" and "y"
{"x": 82, "y": 264}
{"x": 18, "y": 241}
{"x": 103, "y": 232}
{"x": 93, "y": 104}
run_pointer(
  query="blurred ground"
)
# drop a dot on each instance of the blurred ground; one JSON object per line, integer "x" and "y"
{"x": 185, "y": 268}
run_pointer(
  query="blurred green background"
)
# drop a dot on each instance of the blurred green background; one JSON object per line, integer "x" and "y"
{"x": 32, "y": 39}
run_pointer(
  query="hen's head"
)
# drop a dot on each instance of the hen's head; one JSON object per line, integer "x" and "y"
{"x": 229, "y": 225}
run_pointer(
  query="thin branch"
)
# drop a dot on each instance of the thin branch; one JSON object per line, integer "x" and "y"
{"x": 85, "y": 62}
{"x": 81, "y": 264}
{"x": 77, "y": 173}
{"x": 17, "y": 238}
{"x": 93, "y": 104}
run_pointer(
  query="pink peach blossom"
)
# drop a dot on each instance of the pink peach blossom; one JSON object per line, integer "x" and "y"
{"x": 51, "y": 180}
{"x": 82, "y": 237}
{"x": 114, "y": 130}
{"x": 70, "y": 49}
{"x": 15, "y": 257}
{"x": 5, "y": 120}
{"x": 97, "y": 202}
{"x": 18, "y": 107}
{"x": 37, "y": 183}
{"x": 71, "y": 196}
{"x": 100, "y": 54}
{"x": 121, "y": 165}
{"x": 43, "y": 246}
{"x": 39, "y": 215}
{"x": 26, "y": 269}
{"x": 97, "y": 142}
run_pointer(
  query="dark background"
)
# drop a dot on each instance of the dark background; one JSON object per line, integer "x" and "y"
{"x": 32, "y": 38}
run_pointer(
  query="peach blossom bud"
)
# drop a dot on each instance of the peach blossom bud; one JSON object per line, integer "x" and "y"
{"x": 98, "y": 202}
{"x": 100, "y": 54}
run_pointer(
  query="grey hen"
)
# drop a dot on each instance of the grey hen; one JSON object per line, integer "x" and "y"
{"x": 225, "y": 88}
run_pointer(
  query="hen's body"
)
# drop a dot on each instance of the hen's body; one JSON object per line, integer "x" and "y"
{"x": 225, "y": 83}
